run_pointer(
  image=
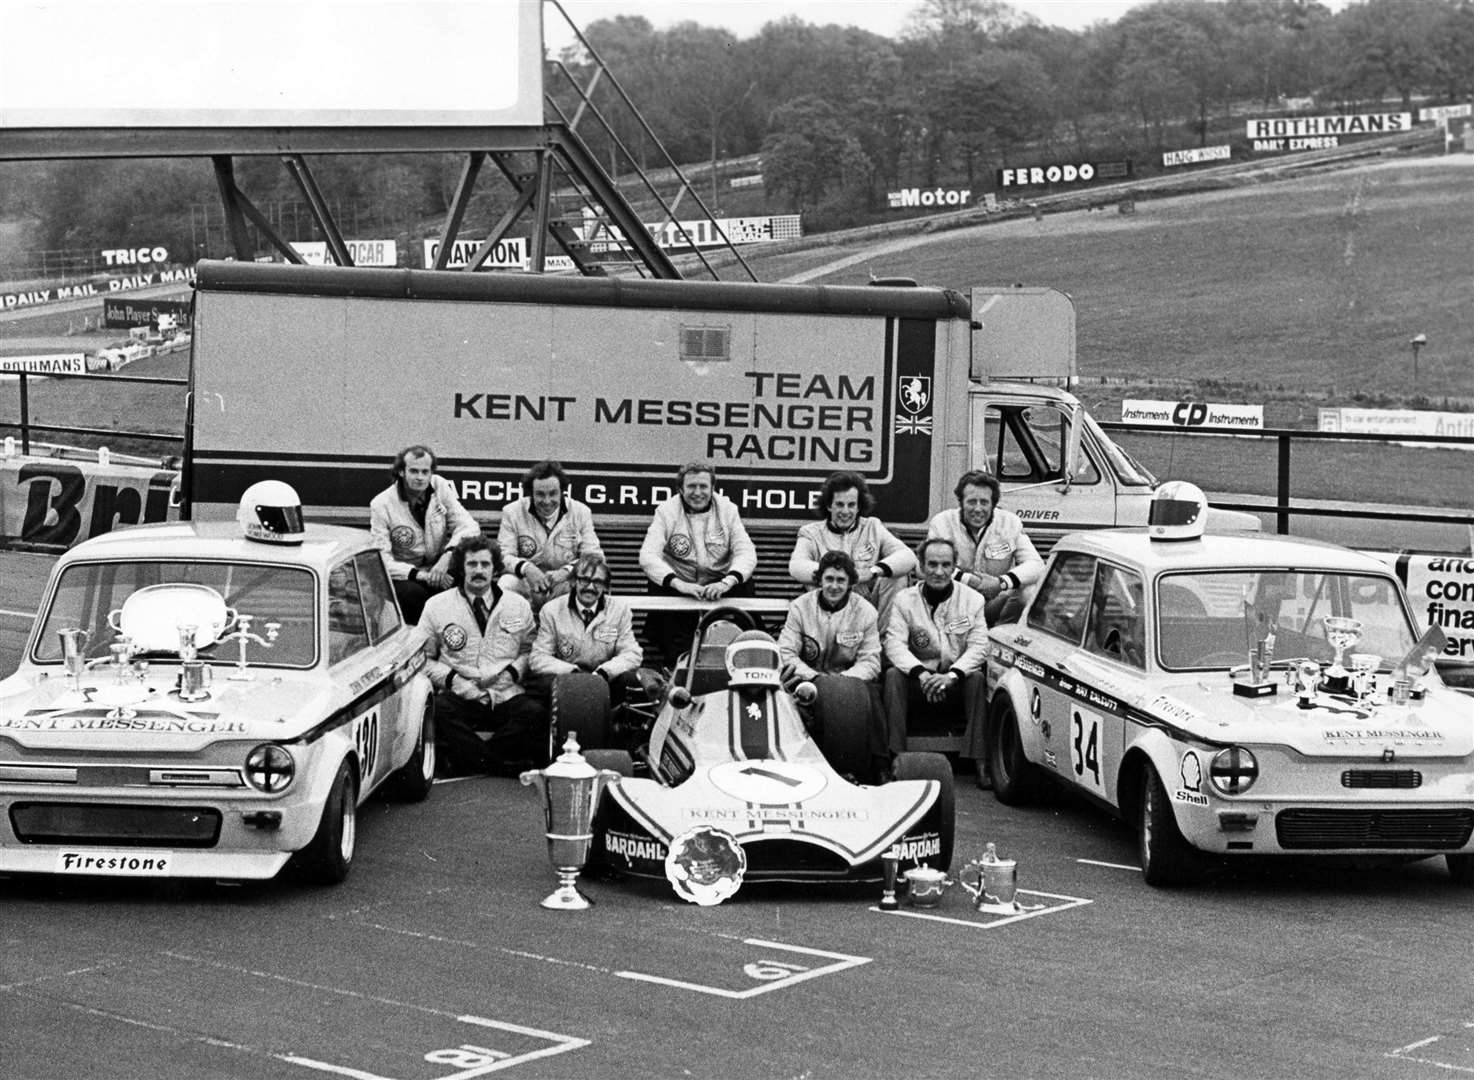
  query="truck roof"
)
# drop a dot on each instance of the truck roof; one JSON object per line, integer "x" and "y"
{"x": 917, "y": 302}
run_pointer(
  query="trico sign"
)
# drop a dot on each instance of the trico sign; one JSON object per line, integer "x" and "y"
{"x": 134, "y": 256}
{"x": 907, "y": 197}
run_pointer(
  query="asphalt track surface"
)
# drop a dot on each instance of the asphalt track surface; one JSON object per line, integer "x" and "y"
{"x": 434, "y": 961}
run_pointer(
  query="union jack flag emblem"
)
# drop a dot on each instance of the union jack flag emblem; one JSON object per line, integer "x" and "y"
{"x": 907, "y": 425}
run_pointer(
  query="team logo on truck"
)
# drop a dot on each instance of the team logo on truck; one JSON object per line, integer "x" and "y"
{"x": 913, "y": 392}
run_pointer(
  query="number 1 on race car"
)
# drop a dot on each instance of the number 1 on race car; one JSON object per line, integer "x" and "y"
{"x": 1085, "y": 748}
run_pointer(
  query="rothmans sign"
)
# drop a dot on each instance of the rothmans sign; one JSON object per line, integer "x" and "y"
{"x": 1322, "y": 132}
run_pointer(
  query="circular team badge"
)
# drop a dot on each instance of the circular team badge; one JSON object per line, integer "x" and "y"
{"x": 920, "y": 638}
{"x": 453, "y": 638}
{"x": 565, "y": 649}
{"x": 679, "y": 545}
{"x": 526, "y": 547}
{"x": 402, "y": 539}
{"x": 808, "y": 650}
{"x": 705, "y": 865}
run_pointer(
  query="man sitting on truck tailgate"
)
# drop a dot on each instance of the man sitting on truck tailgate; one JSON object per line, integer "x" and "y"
{"x": 831, "y": 637}
{"x": 937, "y": 645}
{"x": 477, "y": 641}
{"x": 995, "y": 557}
{"x": 882, "y": 563}
{"x": 543, "y": 534}
{"x": 696, "y": 546}
{"x": 415, "y": 522}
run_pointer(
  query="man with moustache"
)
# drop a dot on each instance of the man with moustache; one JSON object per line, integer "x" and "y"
{"x": 831, "y": 633}
{"x": 415, "y": 522}
{"x": 542, "y": 534}
{"x": 477, "y": 640}
{"x": 696, "y": 546}
{"x": 937, "y": 645}
{"x": 588, "y": 630}
{"x": 883, "y": 564}
{"x": 995, "y": 557}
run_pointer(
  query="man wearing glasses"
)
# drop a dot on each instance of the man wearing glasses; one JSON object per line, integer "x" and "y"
{"x": 588, "y": 630}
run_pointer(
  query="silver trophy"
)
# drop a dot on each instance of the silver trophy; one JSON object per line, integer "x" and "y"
{"x": 1364, "y": 674}
{"x": 996, "y": 882}
{"x": 889, "y": 863}
{"x": 571, "y": 789}
{"x": 1342, "y": 633}
{"x": 194, "y": 673}
{"x": 74, "y": 653}
{"x": 1259, "y": 640}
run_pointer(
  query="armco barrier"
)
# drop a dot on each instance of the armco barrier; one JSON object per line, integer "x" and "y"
{"x": 51, "y": 503}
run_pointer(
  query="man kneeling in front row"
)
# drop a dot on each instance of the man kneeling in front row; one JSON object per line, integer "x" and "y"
{"x": 477, "y": 640}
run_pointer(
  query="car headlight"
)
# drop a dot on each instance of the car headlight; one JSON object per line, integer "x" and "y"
{"x": 1233, "y": 771}
{"x": 270, "y": 768}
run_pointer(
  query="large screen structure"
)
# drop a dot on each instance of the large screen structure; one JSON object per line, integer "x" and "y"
{"x": 270, "y": 63}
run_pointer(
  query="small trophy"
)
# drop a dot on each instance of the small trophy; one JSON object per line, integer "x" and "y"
{"x": 1364, "y": 675}
{"x": 194, "y": 673}
{"x": 1407, "y": 675}
{"x": 1342, "y": 633}
{"x": 1259, "y": 639}
{"x": 571, "y": 789}
{"x": 889, "y": 863}
{"x": 997, "y": 882}
{"x": 74, "y": 653}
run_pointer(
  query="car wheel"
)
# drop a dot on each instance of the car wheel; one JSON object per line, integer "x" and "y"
{"x": 581, "y": 709}
{"x": 329, "y": 855}
{"x": 413, "y": 780}
{"x": 1461, "y": 868}
{"x": 1016, "y": 781}
{"x": 1167, "y": 859}
{"x": 842, "y": 710}
{"x": 915, "y": 765}
{"x": 618, "y": 761}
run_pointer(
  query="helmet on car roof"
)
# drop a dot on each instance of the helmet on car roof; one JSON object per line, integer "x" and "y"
{"x": 271, "y": 512}
{"x": 1179, "y": 511}
{"x": 753, "y": 660}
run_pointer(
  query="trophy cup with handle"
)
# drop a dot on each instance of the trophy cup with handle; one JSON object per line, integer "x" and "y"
{"x": 1342, "y": 633}
{"x": 571, "y": 789}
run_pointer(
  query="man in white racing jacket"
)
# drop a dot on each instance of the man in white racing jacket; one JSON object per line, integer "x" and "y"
{"x": 588, "y": 630}
{"x": 415, "y": 522}
{"x": 542, "y": 534}
{"x": 995, "y": 557}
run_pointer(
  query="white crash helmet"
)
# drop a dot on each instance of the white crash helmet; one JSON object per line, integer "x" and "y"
{"x": 271, "y": 512}
{"x": 753, "y": 660}
{"x": 1179, "y": 511}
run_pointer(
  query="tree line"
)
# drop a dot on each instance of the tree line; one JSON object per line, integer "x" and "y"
{"x": 840, "y": 115}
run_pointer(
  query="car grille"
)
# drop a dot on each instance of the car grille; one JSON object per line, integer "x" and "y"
{"x": 1385, "y": 829}
{"x": 783, "y": 858}
{"x": 1381, "y": 778}
{"x": 119, "y": 826}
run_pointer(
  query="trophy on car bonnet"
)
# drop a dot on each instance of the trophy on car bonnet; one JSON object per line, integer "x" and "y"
{"x": 1342, "y": 633}
{"x": 1407, "y": 675}
{"x": 74, "y": 653}
{"x": 1259, "y": 639}
{"x": 571, "y": 789}
{"x": 194, "y": 673}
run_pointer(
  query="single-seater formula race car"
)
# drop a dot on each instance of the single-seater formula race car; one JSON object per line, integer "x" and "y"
{"x": 729, "y": 751}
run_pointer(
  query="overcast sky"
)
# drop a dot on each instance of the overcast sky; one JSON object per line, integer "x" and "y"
{"x": 745, "y": 17}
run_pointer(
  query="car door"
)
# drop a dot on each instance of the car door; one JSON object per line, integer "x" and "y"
{"x": 359, "y": 668}
{"x": 1058, "y": 618}
{"x": 1111, "y": 667}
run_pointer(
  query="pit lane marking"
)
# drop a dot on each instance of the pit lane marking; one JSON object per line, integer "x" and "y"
{"x": 1109, "y": 865}
{"x": 1050, "y": 909}
{"x": 1405, "y": 1053}
{"x": 788, "y": 973}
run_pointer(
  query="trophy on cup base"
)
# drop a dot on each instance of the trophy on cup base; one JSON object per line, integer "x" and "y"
{"x": 74, "y": 653}
{"x": 571, "y": 789}
{"x": 1259, "y": 639}
{"x": 1342, "y": 633}
{"x": 996, "y": 882}
{"x": 194, "y": 673}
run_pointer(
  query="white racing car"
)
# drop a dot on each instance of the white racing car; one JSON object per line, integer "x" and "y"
{"x": 211, "y": 701}
{"x": 1233, "y": 695}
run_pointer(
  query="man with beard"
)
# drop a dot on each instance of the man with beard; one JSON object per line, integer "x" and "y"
{"x": 696, "y": 546}
{"x": 995, "y": 557}
{"x": 883, "y": 564}
{"x": 937, "y": 644}
{"x": 588, "y": 631}
{"x": 477, "y": 639}
{"x": 416, "y": 522}
{"x": 542, "y": 534}
{"x": 832, "y": 633}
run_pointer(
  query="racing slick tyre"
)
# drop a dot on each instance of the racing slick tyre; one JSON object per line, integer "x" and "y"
{"x": 413, "y": 780}
{"x": 842, "y": 711}
{"x": 1016, "y": 782}
{"x": 581, "y": 709}
{"x": 618, "y": 761}
{"x": 1460, "y": 868}
{"x": 329, "y": 854}
{"x": 918, "y": 765}
{"x": 1167, "y": 859}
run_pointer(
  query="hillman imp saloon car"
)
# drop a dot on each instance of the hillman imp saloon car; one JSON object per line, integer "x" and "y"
{"x": 1233, "y": 695}
{"x": 211, "y": 701}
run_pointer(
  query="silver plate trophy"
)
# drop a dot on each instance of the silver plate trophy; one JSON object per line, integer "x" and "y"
{"x": 705, "y": 865}
{"x": 571, "y": 789}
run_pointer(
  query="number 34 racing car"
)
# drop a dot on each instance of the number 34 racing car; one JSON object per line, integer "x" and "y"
{"x": 729, "y": 751}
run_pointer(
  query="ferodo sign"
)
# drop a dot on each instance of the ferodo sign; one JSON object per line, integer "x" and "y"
{"x": 1075, "y": 173}
{"x": 54, "y": 503}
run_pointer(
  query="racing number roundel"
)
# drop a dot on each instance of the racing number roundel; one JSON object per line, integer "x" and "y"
{"x": 767, "y": 781}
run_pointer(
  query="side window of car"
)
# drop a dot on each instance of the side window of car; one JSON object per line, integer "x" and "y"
{"x": 378, "y": 596}
{"x": 1116, "y": 628}
{"x": 1064, "y": 597}
{"x": 347, "y": 629}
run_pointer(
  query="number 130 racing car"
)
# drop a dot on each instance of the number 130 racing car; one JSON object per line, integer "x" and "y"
{"x": 729, "y": 751}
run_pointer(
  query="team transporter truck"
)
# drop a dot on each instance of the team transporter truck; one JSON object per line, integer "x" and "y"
{"x": 318, "y": 375}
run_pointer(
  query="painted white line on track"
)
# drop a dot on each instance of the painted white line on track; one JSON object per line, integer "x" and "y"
{"x": 17, "y": 614}
{"x": 1109, "y": 865}
{"x": 843, "y": 962}
{"x": 324, "y": 1066}
{"x": 1069, "y": 902}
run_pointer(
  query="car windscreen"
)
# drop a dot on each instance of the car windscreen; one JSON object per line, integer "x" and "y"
{"x": 88, "y": 593}
{"x": 1203, "y": 617}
